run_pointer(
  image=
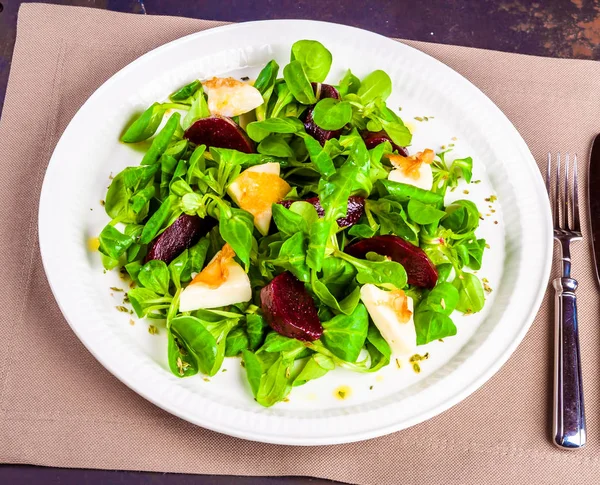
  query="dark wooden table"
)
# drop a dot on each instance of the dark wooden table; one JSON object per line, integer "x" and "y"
{"x": 556, "y": 28}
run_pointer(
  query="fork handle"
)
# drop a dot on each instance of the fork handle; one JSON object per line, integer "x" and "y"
{"x": 569, "y": 415}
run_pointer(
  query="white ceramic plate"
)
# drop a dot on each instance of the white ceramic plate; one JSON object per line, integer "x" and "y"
{"x": 517, "y": 265}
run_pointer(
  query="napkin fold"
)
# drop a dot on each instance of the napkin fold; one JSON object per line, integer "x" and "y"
{"x": 59, "y": 407}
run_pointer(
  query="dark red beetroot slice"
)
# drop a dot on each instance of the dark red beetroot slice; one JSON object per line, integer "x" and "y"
{"x": 419, "y": 268}
{"x": 289, "y": 309}
{"x": 325, "y": 91}
{"x": 319, "y": 134}
{"x": 374, "y": 138}
{"x": 219, "y": 132}
{"x": 179, "y": 236}
{"x": 356, "y": 208}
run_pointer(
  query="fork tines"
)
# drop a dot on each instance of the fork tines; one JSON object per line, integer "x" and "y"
{"x": 565, "y": 208}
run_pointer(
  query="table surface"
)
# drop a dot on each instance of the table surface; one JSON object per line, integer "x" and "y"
{"x": 555, "y": 28}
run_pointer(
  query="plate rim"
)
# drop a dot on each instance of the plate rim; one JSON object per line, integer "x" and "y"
{"x": 129, "y": 380}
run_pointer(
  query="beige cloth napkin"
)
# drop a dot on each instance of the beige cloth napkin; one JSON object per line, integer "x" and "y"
{"x": 59, "y": 407}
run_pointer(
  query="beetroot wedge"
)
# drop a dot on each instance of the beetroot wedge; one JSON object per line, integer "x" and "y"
{"x": 374, "y": 138}
{"x": 219, "y": 132}
{"x": 325, "y": 91}
{"x": 356, "y": 208}
{"x": 289, "y": 309}
{"x": 419, "y": 268}
{"x": 179, "y": 236}
{"x": 321, "y": 91}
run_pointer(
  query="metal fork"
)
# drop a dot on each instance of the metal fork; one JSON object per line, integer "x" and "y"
{"x": 569, "y": 416}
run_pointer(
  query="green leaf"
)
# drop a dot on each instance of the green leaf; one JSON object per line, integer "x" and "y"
{"x": 364, "y": 231}
{"x": 254, "y": 370}
{"x": 113, "y": 243}
{"x": 334, "y": 192}
{"x": 393, "y": 125}
{"x": 338, "y": 276}
{"x": 182, "y": 94}
{"x": 392, "y": 219}
{"x": 278, "y": 343}
{"x": 298, "y": 83}
{"x": 319, "y": 157}
{"x": 140, "y": 201}
{"x": 236, "y": 229}
{"x": 265, "y": 83}
{"x": 316, "y": 366}
{"x": 346, "y": 306}
{"x": 288, "y": 222}
{"x": 256, "y": 327}
{"x": 378, "y": 348}
{"x": 442, "y": 299}
{"x": 431, "y": 326}
{"x": 191, "y": 203}
{"x": 306, "y": 210}
{"x": 179, "y": 359}
{"x": 475, "y": 249}
{"x": 259, "y": 130}
{"x": 267, "y": 76}
{"x": 133, "y": 269}
{"x": 345, "y": 335}
{"x": 181, "y": 188}
{"x": 314, "y": 58}
{"x": 237, "y": 341}
{"x": 470, "y": 289}
{"x": 284, "y": 98}
{"x": 374, "y": 125}
{"x": 179, "y": 269}
{"x": 177, "y": 149}
{"x": 173, "y": 309}
{"x": 168, "y": 164}
{"x": 423, "y": 213}
{"x": 154, "y": 275}
{"x": 463, "y": 167}
{"x": 116, "y": 203}
{"x": 349, "y": 84}
{"x": 162, "y": 140}
{"x": 376, "y": 155}
{"x": 136, "y": 252}
{"x": 196, "y": 163}
{"x": 432, "y": 321}
{"x": 376, "y": 85}
{"x": 219, "y": 324}
{"x": 276, "y": 383}
{"x": 462, "y": 217}
{"x": 387, "y": 274}
{"x": 168, "y": 210}
{"x": 331, "y": 114}
{"x": 237, "y": 158}
{"x": 196, "y": 340}
{"x": 145, "y": 302}
{"x": 318, "y": 234}
{"x": 145, "y": 126}
{"x": 444, "y": 272}
{"x": 398, "y": 132}
{"x": 197, "y": 255}
{"x": 276, "y": 146}
{"x": 122, "y": 195}
{"x": 198, "y": 109}
{"x": 404, "y": 192}
{"x": 292, "y": 256}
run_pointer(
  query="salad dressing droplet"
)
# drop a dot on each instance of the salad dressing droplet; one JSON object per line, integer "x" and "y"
{"x": 93, "y": 244}
{"x": 342, "y": 392}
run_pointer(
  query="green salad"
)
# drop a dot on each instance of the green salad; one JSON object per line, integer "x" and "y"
{"x": 284, "y": 221}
